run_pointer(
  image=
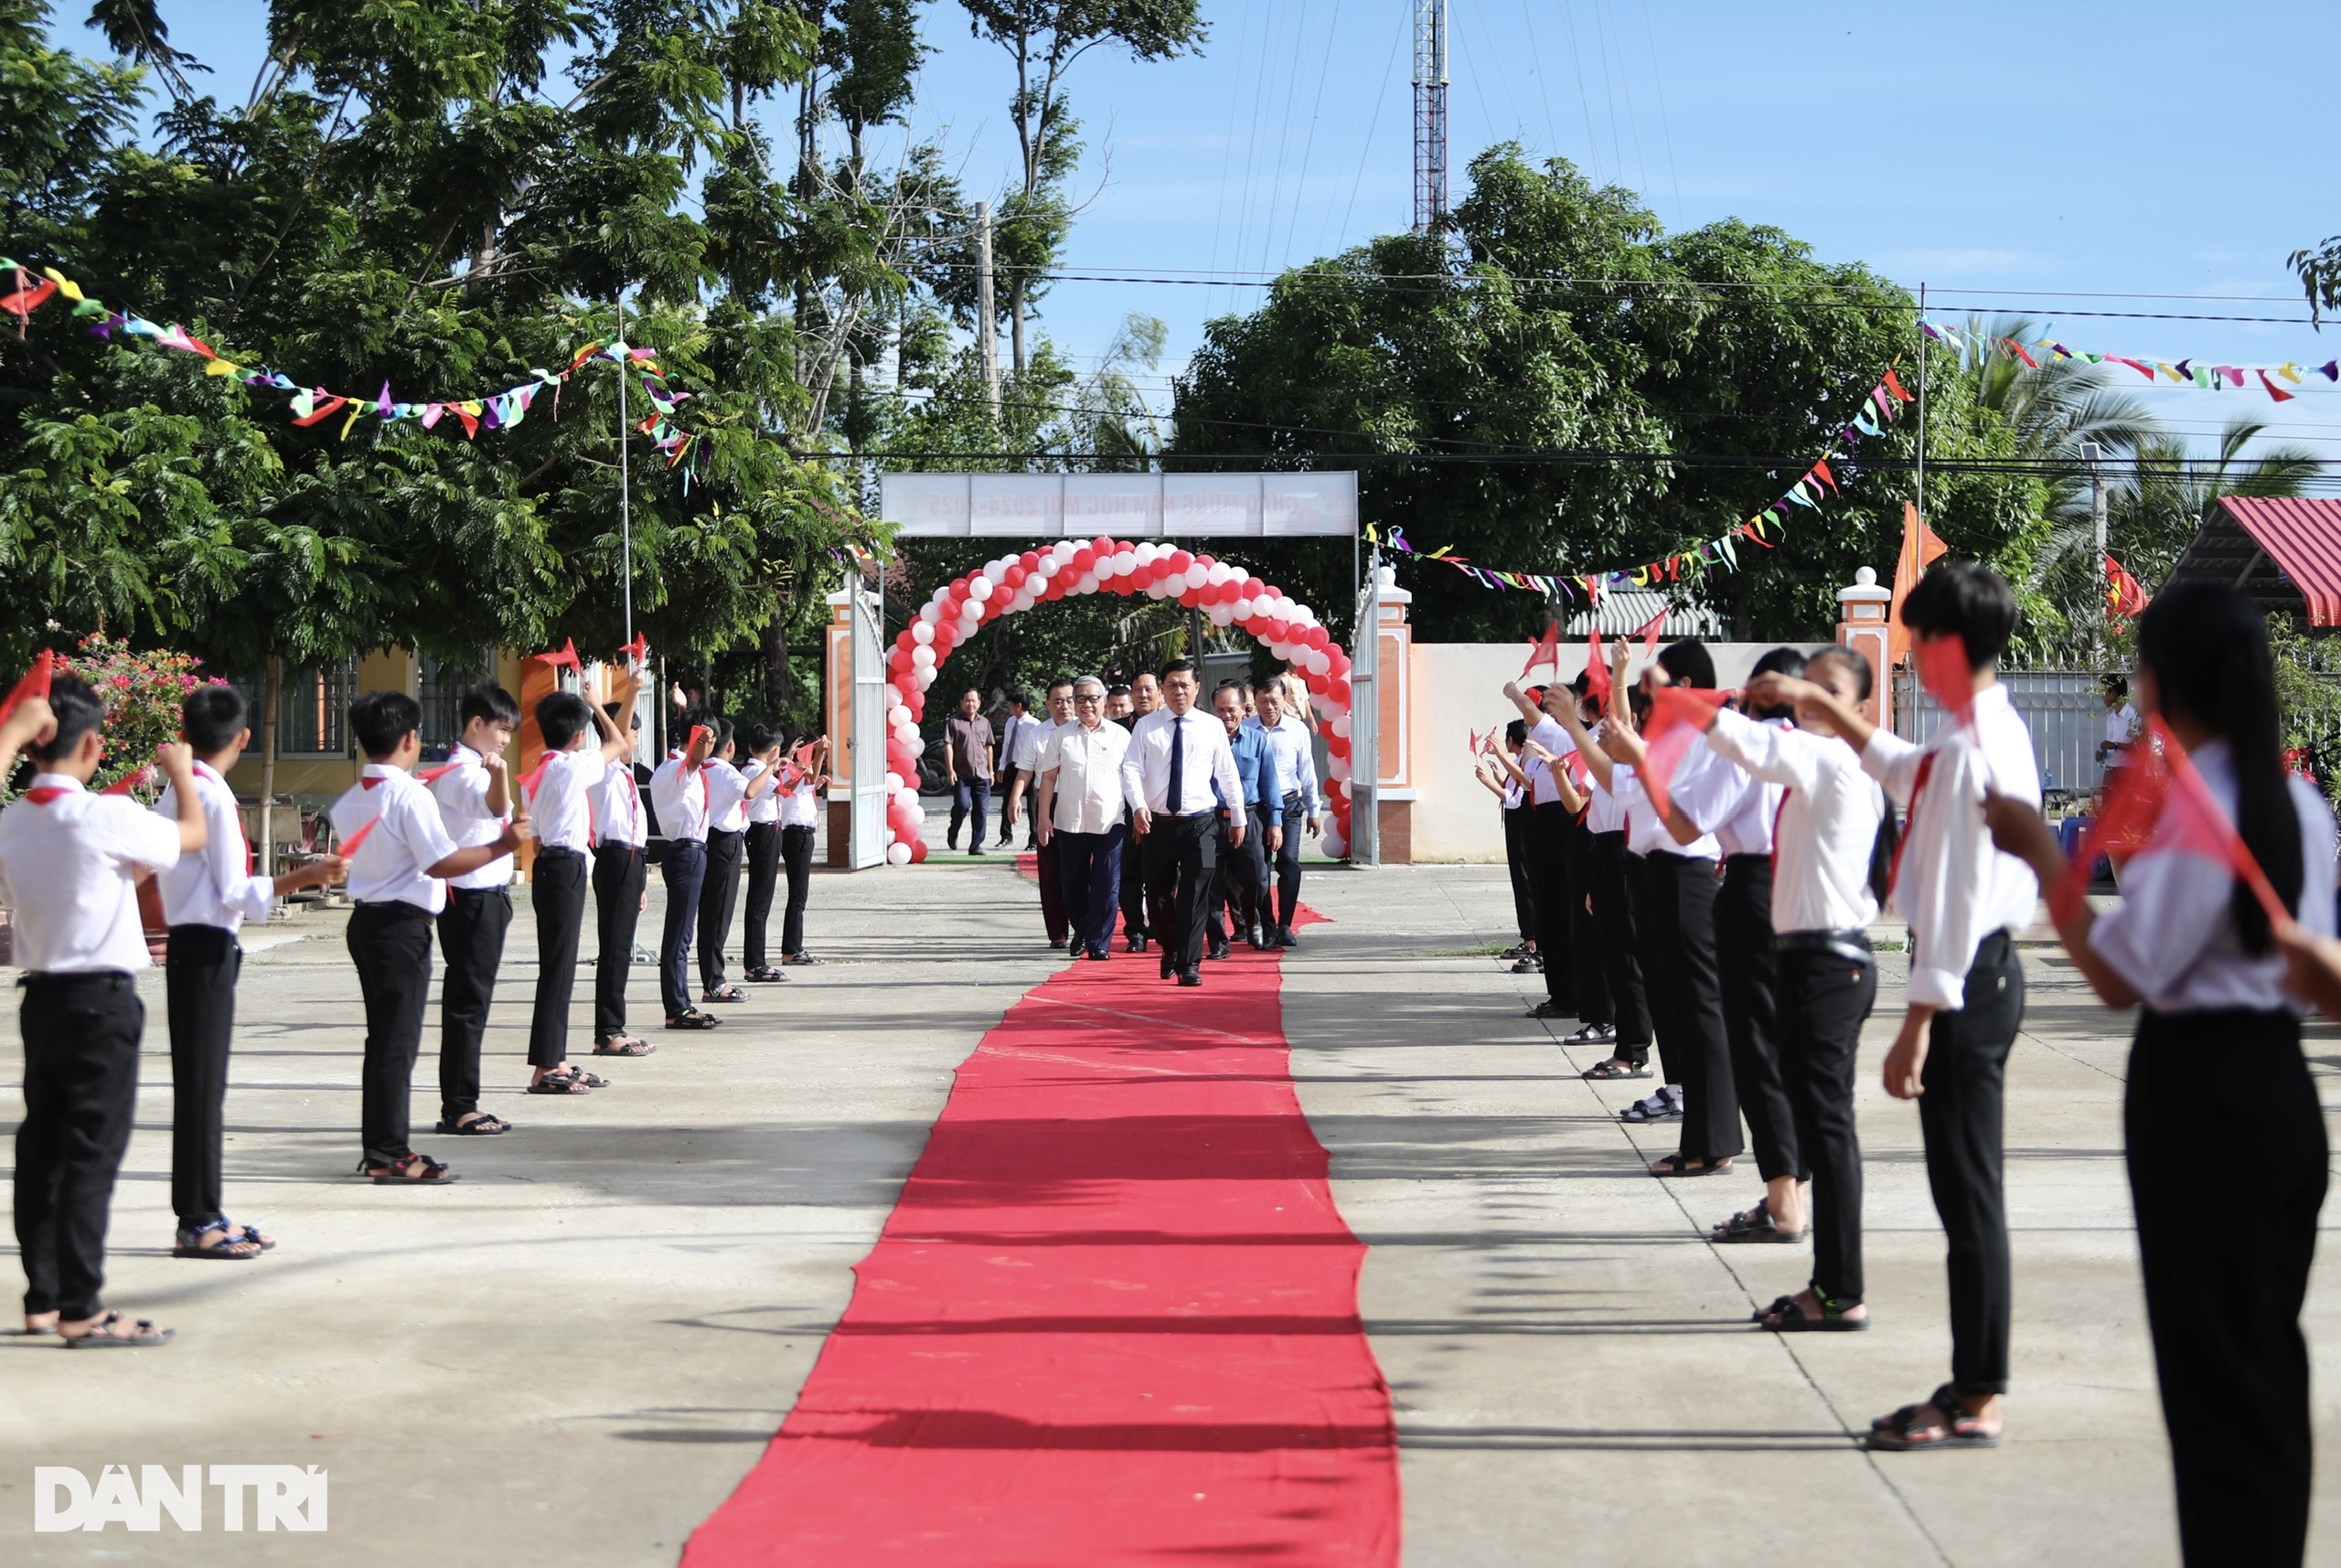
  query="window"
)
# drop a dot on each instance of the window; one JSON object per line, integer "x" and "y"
{"x": 445, "y": 681}
{"x": 313, "y": 711}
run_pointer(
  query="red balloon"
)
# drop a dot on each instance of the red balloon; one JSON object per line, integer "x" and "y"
{"x": 1267, "y": 591}
{"x": 1180, "y": 559}
{"x": 1337, "y": 745}
{"x": 1084, "y": 560}
{"x": 918, "y": 850}
{"x": 1030, "y": 560}
{"x": 1339, "y": 692}
{"x": 1103, "y": 545}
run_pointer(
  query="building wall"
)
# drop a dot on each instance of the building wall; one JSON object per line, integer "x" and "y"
{"x": 1457, "y": 689}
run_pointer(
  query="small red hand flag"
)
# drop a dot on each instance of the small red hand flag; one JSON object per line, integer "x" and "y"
{"x": 1545, "y": 649}
{"x": 1596, "y": 672}
{"x": 565, "y": 654}
{"x": 1678, "y": 716}
{"x": 34, "y": 684}
{"x": 2158, "y": 801}
{"x": 1943, "y": 670}
{"x": 1650, "y": 630}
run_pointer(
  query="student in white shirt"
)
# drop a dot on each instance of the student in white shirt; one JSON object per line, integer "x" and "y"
{"x": 1964, "y": 901}
{"x": 1825, "y": 980}
{"x": 760, "y": 846}
{"x": 2122, "y": 722}
{"x": 1609, "y": 910}
{"x": 474, "y": 796}
{"x": 2226, "y": 1138}
{"x": 582, "y": 746}
{"x": 1553, "y": 803}
{"x": 1177, "y": 771}
{"x": 679, "y": 794}
{"x": 800, "y": 815}
{"x": 206, "y": 898}
{"x": 395, "y": 880}
{"x": 729, "y": 794}
{"x": 69, "y": 865}
{"x": 1079, "y": 808}
{"x": 1019, "y": 752}
{"x": 1048, "y": 867}
{"x": 620, "y": 896}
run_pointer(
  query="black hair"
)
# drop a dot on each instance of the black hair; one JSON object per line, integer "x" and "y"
{"x": 2208, "y": 649}
{"x": 212, "y": 716}
{"x": 721, "y": 727}
{"x": 489, "y": 703}
{"x": 758, "y": 737}
{"x": 382, "y": 720}
{"x": 1117, "y": 689}
{"x": 1689, "y": 663}
{"x": 2117, "y": 686}
{"x": 1064, "y": 681}
{"x": 622, "y": 715}
{"x": 1516, "y": 734}
{"x": 76, "y": 710}
{"x": 562, "y": 718}
{"x": 1174, "y": 666}
{"x": 1865, "y": 681}
{"x": 1779, "y": 661}
{"x": 1965, "y": 599}
{"x": 1020, "y": 699}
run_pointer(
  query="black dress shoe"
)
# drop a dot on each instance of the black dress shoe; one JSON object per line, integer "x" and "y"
{"x": 1191, "y": 978}
{"x": 1137, "y": 945}
{"x": 1099, "y": 955}
{"x": 1549, "y": 1008}
{"x": 1285, "y": 937}
{"x": 1058, "y": 946}
{"x": 1167, "y": 970}
{"x": 1218, "y": 950}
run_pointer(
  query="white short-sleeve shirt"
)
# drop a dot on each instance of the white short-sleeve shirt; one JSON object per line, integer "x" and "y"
{"x": 69, "y": 864}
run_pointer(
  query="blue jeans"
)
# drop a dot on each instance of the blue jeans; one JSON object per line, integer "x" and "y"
{"x": 1091, "y": 864}
{"x": 683, "y": 870}
{"x": 969, "y": 798}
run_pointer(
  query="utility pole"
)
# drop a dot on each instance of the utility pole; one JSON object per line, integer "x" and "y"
{"x": 2093, "y": 454}
{"x": 626, "y": 486}
{"x": 1922, "y": 402}
{"x": 987, "y": 338}
{"x": 1430, "y": 113}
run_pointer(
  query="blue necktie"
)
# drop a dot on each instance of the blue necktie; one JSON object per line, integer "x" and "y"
{"x": 1171, "y": 797}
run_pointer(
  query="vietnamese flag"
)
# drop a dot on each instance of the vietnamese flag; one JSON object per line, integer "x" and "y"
{"x": 2124, "y": 595}
{"x": 2158, "y": 801}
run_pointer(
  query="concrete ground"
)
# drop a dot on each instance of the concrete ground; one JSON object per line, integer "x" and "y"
{"x": 572, "y": 1355}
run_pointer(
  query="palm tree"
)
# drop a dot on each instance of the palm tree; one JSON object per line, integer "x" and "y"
{"x": 2153, "y": 514}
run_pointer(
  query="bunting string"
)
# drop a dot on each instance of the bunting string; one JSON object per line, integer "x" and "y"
{"x": 1974, "y": 346}
{"x": 313, "y": 405}
{"x": 1689, "y": 562}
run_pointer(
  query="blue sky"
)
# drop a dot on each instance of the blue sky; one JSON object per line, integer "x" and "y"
{"x": 2045, "y": 158}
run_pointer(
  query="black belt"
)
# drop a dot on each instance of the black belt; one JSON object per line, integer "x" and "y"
{"x": 1851, "y": 944}
{"x": 544, "y": 849}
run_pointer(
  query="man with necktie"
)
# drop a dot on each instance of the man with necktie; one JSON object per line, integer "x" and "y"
{"x": 1175, "y": 774}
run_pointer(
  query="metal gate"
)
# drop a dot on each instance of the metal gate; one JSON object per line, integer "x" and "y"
{"x": 1365, "y": 718}
{"x": 2062, "y": 707}
{"x": 868, "y": 840}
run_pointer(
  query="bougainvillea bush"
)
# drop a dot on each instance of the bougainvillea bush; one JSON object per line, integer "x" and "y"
{"x": 143, "y": 693}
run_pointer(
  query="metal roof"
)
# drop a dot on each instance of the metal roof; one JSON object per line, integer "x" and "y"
{"x": 1627, "y": 610}
{"x": 2284, "y": 551}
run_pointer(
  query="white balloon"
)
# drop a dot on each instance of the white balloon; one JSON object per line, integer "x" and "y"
{"x": 893, "y": 700}
{"x": 1240, "y": 574}
{"x": 1335, "y": 845}
{"x": 978, "y": 588}
{"x": 1339, "y": 767}
{"x": 1198, "y": 575}
{"x": 1219, "y": 573}
{"x": 1339, "y": 725}
{"x": 922, "y": 631}
{"x": 1123, "y": 563}
{"x": 893, "y": 783}
{"x": 1243, "y": 608}
{"x": 1220, "y": 614}
{"x": 931, "y": 611}
{"x": 1049, "y": 565}
{"x": 898, "y": 854}
{"x": 923, "y": 656}
{"x": 922, "y": 678}
{"x": 1148, "y": 553}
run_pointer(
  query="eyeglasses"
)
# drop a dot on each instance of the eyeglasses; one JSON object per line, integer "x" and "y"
{"x": 1089, "y": 700}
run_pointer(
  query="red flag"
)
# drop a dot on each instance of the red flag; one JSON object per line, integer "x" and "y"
{"x": 1545, "y": 649}
{"x": 565, "y": 654}
{"x": 1650, "y": 630}
{"x": 2275, "y": 391}
{"x": 24, "y": 301}
{"x": 432, "y": 776}
{"x": 1596, "y": 672}
{"x": 1943, "y": 670}
{"x": 2124, "y": 595}
{"x": 699, "y": 733}
{"x": 323, "y": 410}
{"x": 349, "y": 845}
{"x": 637, "y": 651}
{"x": 1676, "y": 716}
{"x": 1895, "y": 386}
{"x": 2158, "y": 801}
{"x": 34, "y": 684}
{"x": 130, "y": 781}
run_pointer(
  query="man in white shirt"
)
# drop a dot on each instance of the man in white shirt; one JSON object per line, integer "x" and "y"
{"x": 1178, "y": 757}
{"x": 679, "y": 794}
{"x": 1964, "y": 901}
{"x": 620, "y": 869}
{"x": 580, "y": 748}
{"x": 400, "y": 859}
{"x": 1048, "y": 866}
{"x": 1019, "y": 752}
{"x": 69, "y": 865}
{"x": 730, "y": 792}
{"x": 1078, "y": 815}
{"x": 206, "y": 898}
{"x": 1292, "y": 804}
{"x": 474, "y": 796}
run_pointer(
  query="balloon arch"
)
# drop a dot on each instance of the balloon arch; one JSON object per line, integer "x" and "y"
{"x": 1229, "y": 595}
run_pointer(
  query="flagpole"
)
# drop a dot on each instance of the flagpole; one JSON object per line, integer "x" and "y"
{"x": 1922, "y": 398}
{"x": 625, "y": 489}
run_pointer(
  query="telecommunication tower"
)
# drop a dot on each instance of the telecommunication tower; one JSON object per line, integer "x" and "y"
{"x": 1430, "y": 113}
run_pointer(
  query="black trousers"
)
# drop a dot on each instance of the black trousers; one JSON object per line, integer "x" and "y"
{"x": 760, "y": 846}
{"x": 1594, "y": 1003}
{"x": 796, "y": 858}
{"x": 390, "y": 944}
{"x": 557, "y": 894}
{"x": 1240, "y": 885}
{"x": 1008, "y": 777}
{"x": 1678, "y": 947}
{"x": 199, "y": 999}
{"x": 1824, "y": 998}
{"x": 1614, "y": 915}
{"x": 1131, "y": 890}
{"x": 80, "y": 1034}
{"x": 1548, "y": 888}
{"x": 471, "y": 936}
{"x": 1090, "y": 864}
{"x": 2227, "y": 1267}
{"x": 719, "y": 895}
{"x": 683, "y": 870}
{"x": 1515, "y": 860}
{"x": 1180, "y": 854}
{"x": 1750, "y": 1022}
{"x": 1293, "y": 818}
{"x": 1962, "y": 1115}
{"x": 619, "y": 872}
{"x": 1048, "y": 870}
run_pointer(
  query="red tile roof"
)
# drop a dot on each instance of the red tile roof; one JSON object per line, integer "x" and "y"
{"x": 2302, "y": 537}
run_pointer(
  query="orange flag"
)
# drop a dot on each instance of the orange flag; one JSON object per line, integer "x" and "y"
{"x": 1919, "y": 550}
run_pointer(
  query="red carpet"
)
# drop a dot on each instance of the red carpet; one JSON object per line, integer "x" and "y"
{"x": 1113, "y": 1318}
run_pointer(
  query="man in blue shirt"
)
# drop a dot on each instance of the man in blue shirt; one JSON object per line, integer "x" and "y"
{"x": 1288, "y": 803}
{"x": 1242, "y": 869}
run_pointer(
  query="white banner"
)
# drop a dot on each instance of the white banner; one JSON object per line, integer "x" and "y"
{"x": 1127, "y": 505}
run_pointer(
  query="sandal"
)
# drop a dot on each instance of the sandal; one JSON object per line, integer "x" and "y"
{"x": 414, "y": 1170}
{"x": 1680, "y": 1164}
{"x": 1755, "y": 1225}
{"x": 693, "y": 1019}
{"x": 584, "y": 1078}
{"x": 1903, "y": 1433}
{"x": 1614, "y": 1068}
{"x": 724, "y": 994}
{"x": 797, "y": 959}
{"x": 558, "y": 1083}
{"x": 251, "y": 1234}
{"x": 1657, "y": 1108}
{"x": 105, "y": 1334}
{"x": 1787, "y": 1316}
{"x": 189, "y": 1243}
{"x": 483, "y": 1126}
{"x": 764, "y": 973}
{"x": 624, "y": 1045}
